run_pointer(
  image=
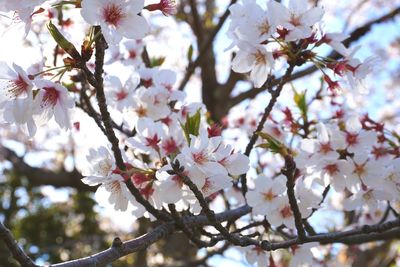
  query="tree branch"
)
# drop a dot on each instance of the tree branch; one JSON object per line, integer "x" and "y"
{"x": 39, "y": 176}
{"x": 274, "y": 97}
{"x": 289, "y": 172}
{"x": 18, "y": 254}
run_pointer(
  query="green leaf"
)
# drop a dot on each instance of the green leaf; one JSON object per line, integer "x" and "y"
{"x": 301, "y": 103}
{"x": 156, "y": 61}
{"x": 190, "y": 53}
{"x": 63, "y": 42}
{"x": 192, "y": 125}
{"x": 272, "y": 143}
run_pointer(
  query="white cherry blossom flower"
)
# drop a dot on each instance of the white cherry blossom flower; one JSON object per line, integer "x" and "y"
{"x": 267, "y": 191}
{"x": 52, "y": 100}
{"x": 117, "y": 18}
{"x": 297, "y": 19}
{"x": 255, "y": 254}
{"x": 254, "y": 59}
{"x": 200, "y": 154}
{"x": 112, "y": 186}
{"x": 367, "y": 198}
{"x": 148, "y": 137}
{"x": 358, "y": 140}
{"x": 16, "y": 97}
{"x": 151, "y": 102}
{"x": 235, "y": 163}
{"x": 118, "y": 94}
{"x": 282, "y": 214}
{"x": 335, "y": 40}
{"x": 334, "y": 172}
{"x": 302, "y": 255}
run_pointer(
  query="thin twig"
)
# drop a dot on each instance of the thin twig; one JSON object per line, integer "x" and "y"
{"x": 289, "y": 172}
{"x": 267, "y": 111}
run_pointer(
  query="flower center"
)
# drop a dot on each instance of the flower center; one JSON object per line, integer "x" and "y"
{"x": 121, "y": 95}
{"x": 295, "y": 20}
{"x": 153, "y": 141}
{"x": 260, "y": 58}
{"x": 50, "y": 97}
{"x": 264, "y": 28}
{"x": 331, "y": 169}
{"x": 268, "y": 196}
{"x": 352, "y": 139}
{"x": 199, "y": 157}
{"x": 113, "y": 14}
{"x": 17, "y": 87}
{"x": 141, "y": 111}
{"x": 286, "y": 212}
{"x": 169, "y": 146}
{"x": 325, "y": 148}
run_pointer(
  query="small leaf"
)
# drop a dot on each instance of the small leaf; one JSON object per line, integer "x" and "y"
{"x": 192, "y": 125}
{"x": 190, "y": 53}
{"x": 301, "y": 103}
{"x": 156, "y": 61}
{"x": 63, "y": 42}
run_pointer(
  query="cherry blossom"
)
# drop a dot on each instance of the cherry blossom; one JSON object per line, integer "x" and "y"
{"x": 255, "y": 254}
{"x": 16, "y": 97}
{"x": 100, "y": 171}
{"x": 117, "y": 18}
{"x": 118, "y": 94}
{"x": 297, "y": 18}
{"x": 266, "y": 194}
{"x": 254, "y": 59}
{"x": 282, "y": 214}
{"x": 52, "y": 100}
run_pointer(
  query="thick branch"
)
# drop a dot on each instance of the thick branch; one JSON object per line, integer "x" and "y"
{"x": 15, "y": 250}
{"x": 40, "y": 176}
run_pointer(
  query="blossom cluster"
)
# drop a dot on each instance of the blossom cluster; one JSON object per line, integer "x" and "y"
{"x": 161, "y": 137}
{"x": 349, "y": 154}
{"x": 270, "y": 36}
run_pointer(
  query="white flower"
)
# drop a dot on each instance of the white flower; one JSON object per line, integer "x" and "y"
{"x": 235, "y": 163}
{"x": 257, "y": 26}
{"x": 335, "y": 41}
{"x": 282, "y": 214}
{"x": 254, "y": 59}
{"x": 323, "y": 148}
{"x": 307, "y": 197}
{"x": 117, "y": 18}
{"x": 118, "y": 94}
{"x": 267, "y": 191}
{"x": 200, "y": 154}
{"x": 334, "y": 172}
{"x": 151, "y": 102}
{"x": 297, "y": 19}
{"x": 257, "y": 255}
{"x": 358, "y": 140}
{"x": 52, "y": 99}
{"x": 366, "y": 198}
{"x": 214, "y": 183}
{"x": 112, "y": 186}
{"x": 16, "y": 98}
{"x": 302, "y": 255}
{"x": 23, "y": 12}
{"x": 368, "y": 172}
{"x": 148, "y": 138}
